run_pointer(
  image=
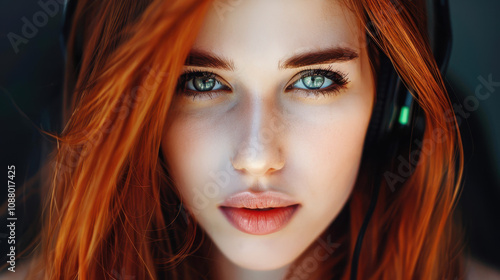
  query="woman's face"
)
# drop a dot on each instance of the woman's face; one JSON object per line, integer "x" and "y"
{"x": 276, "y": 102}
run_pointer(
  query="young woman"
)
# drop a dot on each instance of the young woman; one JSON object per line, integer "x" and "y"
{"x": 224, "y": 140}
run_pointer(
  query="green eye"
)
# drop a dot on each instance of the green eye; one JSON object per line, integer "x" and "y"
{"x": 202, "y": 83}
{"x": 313, "y": 82}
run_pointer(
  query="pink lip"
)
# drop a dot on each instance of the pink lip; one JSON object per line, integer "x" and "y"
{"x": 259, "y": 213}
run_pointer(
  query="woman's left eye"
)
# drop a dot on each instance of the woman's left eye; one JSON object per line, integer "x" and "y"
{"x": 319, "y": 81}
{"x": 313, "y": 82}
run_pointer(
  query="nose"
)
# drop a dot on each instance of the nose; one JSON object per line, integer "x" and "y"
{"x": 260, "y": 148}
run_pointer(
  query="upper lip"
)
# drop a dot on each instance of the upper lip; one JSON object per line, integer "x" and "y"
{"x": 260, "y": 200}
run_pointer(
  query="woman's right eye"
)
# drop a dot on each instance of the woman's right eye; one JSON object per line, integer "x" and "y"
{"x": 200, "y": 84}
{"x": 203, "y": 83}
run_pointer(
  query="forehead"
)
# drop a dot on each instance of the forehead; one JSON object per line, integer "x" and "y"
{"x": 271, "y": 29}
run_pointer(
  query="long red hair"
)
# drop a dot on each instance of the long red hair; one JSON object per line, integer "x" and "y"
{"x": 112, "y": 210}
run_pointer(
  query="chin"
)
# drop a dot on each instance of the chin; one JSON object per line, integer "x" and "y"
{"x": 259, "y": 261}
{"x": 261, "y": 266}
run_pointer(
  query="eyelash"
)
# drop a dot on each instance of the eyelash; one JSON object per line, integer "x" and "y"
{"x": 191, "y": 74}
{"x": 338, "y": 78}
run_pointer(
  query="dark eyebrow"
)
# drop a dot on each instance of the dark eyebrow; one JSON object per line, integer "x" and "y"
{"x": 208, "y": 59}
{"x": 319, "y": 57}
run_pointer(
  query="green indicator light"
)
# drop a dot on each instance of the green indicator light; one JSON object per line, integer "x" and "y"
{"x": 403, "y": 116}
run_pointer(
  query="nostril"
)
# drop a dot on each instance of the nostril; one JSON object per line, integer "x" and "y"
{"x": 259, "y": 163}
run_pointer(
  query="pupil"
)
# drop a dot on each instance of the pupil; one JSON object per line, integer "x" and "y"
{"x": 313, "y": 82}
{"x": 203, "y": 84}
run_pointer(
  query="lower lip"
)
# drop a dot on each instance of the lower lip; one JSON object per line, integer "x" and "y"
{"x": 259, "y": 222}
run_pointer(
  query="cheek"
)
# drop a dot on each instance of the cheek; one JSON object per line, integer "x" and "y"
{"x": 194, "y": 149}
{"x": 187, "y": 148}
{"x": 327, "y": 152}
{"x": 333, "y": 156}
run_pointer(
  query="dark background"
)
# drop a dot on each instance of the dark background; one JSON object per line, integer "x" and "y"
{"x": 30, "y": 92}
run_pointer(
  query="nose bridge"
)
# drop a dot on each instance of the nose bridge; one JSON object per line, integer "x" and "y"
{"x": 260, "y": 149}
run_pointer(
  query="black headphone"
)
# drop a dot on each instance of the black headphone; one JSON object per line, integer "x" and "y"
{"x": 396, "y": 115}
{"x": 397, "y": 118}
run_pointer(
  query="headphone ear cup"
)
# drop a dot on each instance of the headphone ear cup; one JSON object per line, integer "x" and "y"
{"x": 396, "y": 120}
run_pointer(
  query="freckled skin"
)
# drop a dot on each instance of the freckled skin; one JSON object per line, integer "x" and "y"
{"x": 258, "y": 136}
